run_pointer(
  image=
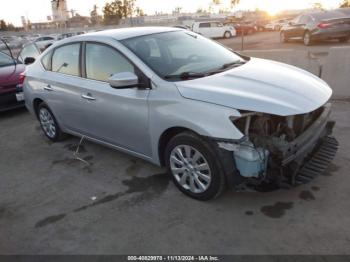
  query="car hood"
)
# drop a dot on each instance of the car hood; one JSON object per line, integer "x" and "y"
{"x": 261, "y": 86}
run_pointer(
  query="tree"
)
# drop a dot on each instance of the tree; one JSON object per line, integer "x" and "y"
{"x": 139, "y": 11}
{"x": 318, "y": 5}
{"x": 346, "y": 3}
{"x": 94, "y": 16}
{"x": 3, "y": 25}
{"x": 177, "y": 10}
{"x": 234, "y": 3}
{"x": 113, "y": 12}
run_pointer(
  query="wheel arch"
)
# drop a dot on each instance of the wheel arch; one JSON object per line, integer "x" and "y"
{"x": 36, "y": 102}
{"x": 166, "y": 136}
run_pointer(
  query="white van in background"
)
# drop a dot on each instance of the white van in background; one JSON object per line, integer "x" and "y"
{"x": 213, "y": 29}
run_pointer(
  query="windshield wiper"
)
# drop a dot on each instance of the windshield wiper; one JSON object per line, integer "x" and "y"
{"x": 232, "y": 64}
{"x": 186, "y": 75}
{"x": 227, "y": 66}
{"x": 189, "y": 75}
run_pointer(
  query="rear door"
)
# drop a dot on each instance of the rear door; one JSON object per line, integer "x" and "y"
{"x": 204, "y": 29}
{"x": 297, "y": 27}
{"x": 216, "y": 29}
{"x": 61, "y": 85}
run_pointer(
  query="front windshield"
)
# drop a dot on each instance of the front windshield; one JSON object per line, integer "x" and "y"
{"x": 181, "y": 52}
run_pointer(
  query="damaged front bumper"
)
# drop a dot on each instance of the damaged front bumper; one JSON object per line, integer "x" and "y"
{"x": 287, "y": 163}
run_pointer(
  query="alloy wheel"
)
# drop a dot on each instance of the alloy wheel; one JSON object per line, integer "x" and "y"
{"x": 307, "y": 39}
{"x": 47, "y": 122}
{"x": 190, "y": 169}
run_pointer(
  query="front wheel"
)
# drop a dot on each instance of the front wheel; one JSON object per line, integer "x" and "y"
{"x": 307, "y": 39}
{"x": 283, "y": 38}
{"x": 194, "y": 166}
{"x": 227, "y": 35}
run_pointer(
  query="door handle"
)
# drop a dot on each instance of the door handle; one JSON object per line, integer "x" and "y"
{"x": 88, "y": 97}
{"x": 48, "y": 88}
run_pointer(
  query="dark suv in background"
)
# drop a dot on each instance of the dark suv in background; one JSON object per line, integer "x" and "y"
{"x": 315, "y": 26}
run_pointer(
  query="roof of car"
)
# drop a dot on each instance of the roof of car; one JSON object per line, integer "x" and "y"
{"x": 125, "y": 33}
{"x": 326, "y": 14}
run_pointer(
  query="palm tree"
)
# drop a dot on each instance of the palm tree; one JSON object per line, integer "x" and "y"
{"x": 234, "y": 2}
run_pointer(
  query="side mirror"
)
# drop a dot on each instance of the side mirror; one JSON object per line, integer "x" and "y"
{"x": 29, "y": 60}
{"x": 124, "y": 80}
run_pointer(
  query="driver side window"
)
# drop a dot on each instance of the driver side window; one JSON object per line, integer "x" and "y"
{"x": 102, "y": 61}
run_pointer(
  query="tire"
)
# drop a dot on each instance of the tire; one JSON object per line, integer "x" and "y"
{"x": 343, "y": 39}
{"x": 307, "y": 39}
{"x": 48, "y": 123}
{"x": 227, "y": 35}
{"x": 283, "y": 38}
{"x": 184, "y": 168}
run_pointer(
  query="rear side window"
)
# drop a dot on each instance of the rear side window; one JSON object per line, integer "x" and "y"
{"x": 204, "y": 25}
{"x": 65, "y": 60}
{"x": 46, "y": 61}
{"x": 304, "y": 19}
{"x": 103, "y": 61}
{"x": 29, "y": 51}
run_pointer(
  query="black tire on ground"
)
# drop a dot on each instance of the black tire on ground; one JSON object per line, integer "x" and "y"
{"x": 215, "y": 160}
{"x": 343, "y": 39}
{"x": 283, "y": 38}
{"x": 58, "y": 135}
{"x": 307, "y": 39}
{"x": 227, "y": 35}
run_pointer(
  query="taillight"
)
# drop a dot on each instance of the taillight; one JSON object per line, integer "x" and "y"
{"x": 323, "y": 25}
{"x": 22, "y": 76}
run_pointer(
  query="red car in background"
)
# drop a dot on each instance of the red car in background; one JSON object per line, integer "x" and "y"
{"x": 245, "y": 27}
{"x": 11, "y": 74}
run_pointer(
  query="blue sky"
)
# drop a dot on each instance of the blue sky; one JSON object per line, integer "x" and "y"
{"x": 38, "y": 10}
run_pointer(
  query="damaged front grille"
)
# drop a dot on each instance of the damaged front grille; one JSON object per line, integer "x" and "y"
{"x": 283, "y": 149}
{"x": 319, "y": 161}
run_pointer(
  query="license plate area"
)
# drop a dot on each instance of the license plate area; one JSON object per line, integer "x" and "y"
{"x": 20, "y": 97}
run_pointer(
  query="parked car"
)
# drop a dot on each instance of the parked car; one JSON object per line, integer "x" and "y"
{"x": 213, "y": 29}
{"x": 44, "y": 42}
{"x": 345, "y": 11}
{"x": 247, "y": 28}
{"x": 276, "y": 25}
{"x": 182, "y": 27}
{"x": 316, "y": 26}
{"x": 11, "y": 77}
{"x": 180, "y": 100}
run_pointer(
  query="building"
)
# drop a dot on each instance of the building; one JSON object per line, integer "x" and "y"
{"x": 60, "y": 11}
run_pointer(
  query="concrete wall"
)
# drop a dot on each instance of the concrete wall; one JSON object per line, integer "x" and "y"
{"x": 336, "y": 71}
{"x": 334, "y": 68}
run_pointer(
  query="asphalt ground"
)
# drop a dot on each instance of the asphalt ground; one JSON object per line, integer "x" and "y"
{"x": 51, "y": 203}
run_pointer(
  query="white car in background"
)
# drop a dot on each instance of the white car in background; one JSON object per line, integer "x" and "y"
{"x": 276, "y": 25}
{"x": 44, "y": 42}
{"x": 213, "y": 29}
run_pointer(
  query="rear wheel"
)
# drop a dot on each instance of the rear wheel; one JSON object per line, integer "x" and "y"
{"x": 343, "y": 39}
{"x": 48, "y": 123}
{"x": 227, "y": 35}
{"x": 194, "y": 166}
{"x": 307, "y": 38}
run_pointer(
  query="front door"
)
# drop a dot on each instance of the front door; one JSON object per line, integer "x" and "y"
{"x": 115, "y": 116}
